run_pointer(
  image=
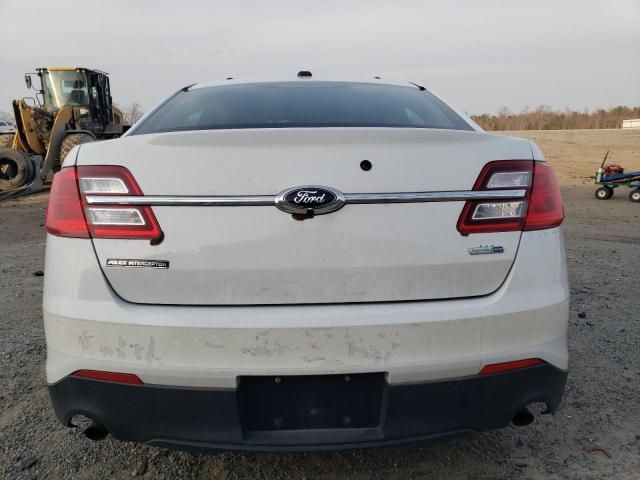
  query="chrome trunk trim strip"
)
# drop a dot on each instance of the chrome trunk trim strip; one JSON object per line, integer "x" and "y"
{"x": 270, "y": 200}
{"x": 178, "y": 201}
{"x": 418, "y": 197}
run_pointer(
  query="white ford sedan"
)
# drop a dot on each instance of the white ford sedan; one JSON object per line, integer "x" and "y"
{"x": 302, "y": 264}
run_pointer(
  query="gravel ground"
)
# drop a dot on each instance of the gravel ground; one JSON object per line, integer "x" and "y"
{"x": 597, "y": 434}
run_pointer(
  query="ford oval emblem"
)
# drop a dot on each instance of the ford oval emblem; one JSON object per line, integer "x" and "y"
{"x": 310, "y": 199}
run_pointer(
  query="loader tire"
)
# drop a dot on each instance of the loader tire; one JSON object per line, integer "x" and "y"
{"x": 16, "y": 169}
{"x": 6, "y": 140}
{"x": 71, "y": 141}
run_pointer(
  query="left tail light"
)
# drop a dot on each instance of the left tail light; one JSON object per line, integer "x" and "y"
{"x": 69, "y": 215}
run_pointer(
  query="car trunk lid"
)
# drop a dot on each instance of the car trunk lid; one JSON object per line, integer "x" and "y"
{"x": 260, "y": 255}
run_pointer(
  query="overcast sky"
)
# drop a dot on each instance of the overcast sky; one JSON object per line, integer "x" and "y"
{"x": 478, "y": 55}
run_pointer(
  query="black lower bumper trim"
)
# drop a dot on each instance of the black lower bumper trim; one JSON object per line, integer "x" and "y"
{"x": 212, "y": 419}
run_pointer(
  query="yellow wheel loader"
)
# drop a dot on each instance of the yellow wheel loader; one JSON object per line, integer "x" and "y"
{"x": 72, "y": 105}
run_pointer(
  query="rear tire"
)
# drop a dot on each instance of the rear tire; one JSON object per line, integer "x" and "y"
{"x": 6, "y": 140}
{"x": 15, "y": 169}
{"x": 604, "y": 193}
{"x": 71, "y": 141}
{"x": 634, "y": 196}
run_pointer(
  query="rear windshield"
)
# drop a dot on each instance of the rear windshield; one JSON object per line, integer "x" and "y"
{"x": 301, "y": 104}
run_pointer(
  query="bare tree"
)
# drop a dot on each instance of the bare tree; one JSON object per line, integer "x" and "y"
{"x": 504, "y": 114}
{"x": 133, "y": 113}
{"x": 524, "y": 118}
{"x": 540, "y": 114}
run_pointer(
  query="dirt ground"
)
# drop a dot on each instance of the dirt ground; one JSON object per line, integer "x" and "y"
{"x": 597, "y": 434}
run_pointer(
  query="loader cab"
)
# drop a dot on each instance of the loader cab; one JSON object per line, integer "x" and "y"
{"x": 87, "y": 91}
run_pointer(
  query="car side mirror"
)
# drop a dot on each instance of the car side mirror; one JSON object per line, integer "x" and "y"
{"x": 27, "y": 80}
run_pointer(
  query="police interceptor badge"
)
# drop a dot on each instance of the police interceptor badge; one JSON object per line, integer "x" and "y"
{"x": 485, "y": 249}
{"x": 128, "y": 262}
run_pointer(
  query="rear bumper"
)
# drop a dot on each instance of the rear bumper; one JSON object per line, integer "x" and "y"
{"x": 88, "y": 327}
{"x": 209, "y": 419}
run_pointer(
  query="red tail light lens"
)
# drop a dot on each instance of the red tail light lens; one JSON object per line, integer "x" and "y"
{"x": 116, "y": 377}
{"x": 70, "y": 190}
{"x": 545, "y": 203}
{"x": 509, "y": 366}
{"x": 65, "y": 216}
{"x": 540, "y": 208}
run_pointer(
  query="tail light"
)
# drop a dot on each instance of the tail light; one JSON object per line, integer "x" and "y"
{"x": 540, "y": 208}
{"x": 69, "y": 215}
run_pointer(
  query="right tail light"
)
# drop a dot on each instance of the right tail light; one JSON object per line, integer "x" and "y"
{"x": 540, "y": 208}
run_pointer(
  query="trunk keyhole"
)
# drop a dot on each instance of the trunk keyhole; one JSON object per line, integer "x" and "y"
{"x": 366, "y": 165}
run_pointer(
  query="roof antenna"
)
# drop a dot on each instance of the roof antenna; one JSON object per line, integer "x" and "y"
{"x": 420, "y": 87}
{"x": 304, "y": 73}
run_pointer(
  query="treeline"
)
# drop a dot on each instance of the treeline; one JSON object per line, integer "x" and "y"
{"x": 546, "y": 118}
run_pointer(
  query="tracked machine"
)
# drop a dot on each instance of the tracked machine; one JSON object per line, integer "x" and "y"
{"x": 72, "y": 105}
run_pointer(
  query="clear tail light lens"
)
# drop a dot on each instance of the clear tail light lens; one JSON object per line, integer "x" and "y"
{"x": 70, "y": 215}
{"x": 492, "y": 211}
{"x": 114, "y": 216}
{"x": 97, "y": 185}
{"x": 540, "y": 208}
{"x": 509, "y": 179}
